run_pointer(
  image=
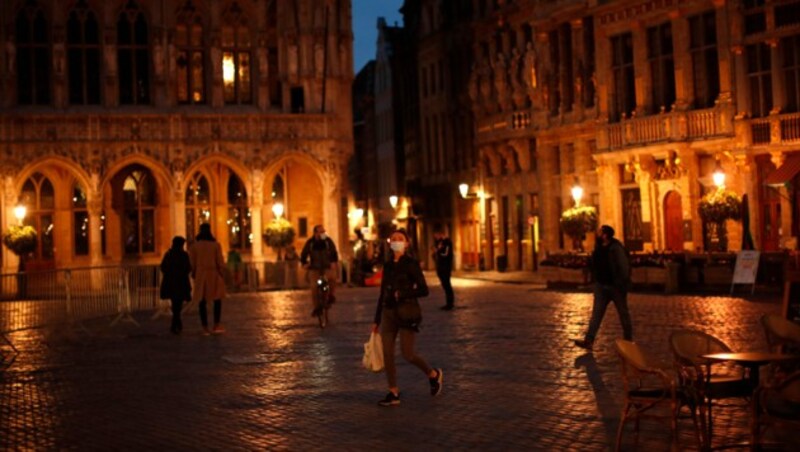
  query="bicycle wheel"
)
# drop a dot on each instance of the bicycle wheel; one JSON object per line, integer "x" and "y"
{"x": 322, "y": 313}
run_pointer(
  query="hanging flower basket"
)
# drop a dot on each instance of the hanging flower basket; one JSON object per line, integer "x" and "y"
{"x": 577, "y": 221}
{"x": 720, "y": 205}
{"x": 21, "y": 240}
{"x": 279, "y": 234}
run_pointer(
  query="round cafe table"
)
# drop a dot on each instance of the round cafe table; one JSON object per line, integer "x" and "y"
{"x": 751, "y": 361}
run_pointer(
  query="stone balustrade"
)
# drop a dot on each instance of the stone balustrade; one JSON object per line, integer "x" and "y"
{"x": 775, "y": 129}
{"x": 164, "y": 127}
{"x": 664, "y": 127}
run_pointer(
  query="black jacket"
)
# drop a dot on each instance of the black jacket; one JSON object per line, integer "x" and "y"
{"x": 403, "y": 276}
{"x": 619, "y": 264}
{"x": 321, "y": 253}
{"x": 176, "y": 269}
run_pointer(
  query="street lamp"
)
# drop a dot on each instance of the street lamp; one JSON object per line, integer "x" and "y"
{"x": 719, "y": 176}
{"x": 277, "y": 209}
{"x": 463, "y": 189}
{"x": 19, "y": 212}
{"x": 393, "y": 201}
{"x": 577, "y": 193}
{"x": 356, "y": 214}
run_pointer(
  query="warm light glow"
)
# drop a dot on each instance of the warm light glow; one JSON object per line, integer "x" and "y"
{"x": 277, "y": 209}
{"x": 719, "y": 176}
{"x": 393, "y": 201}
{"x": 463, "y": 189}
{"x": 228, "y": 69}
{"x": 577, "y": 194}
{"x": 357, "y": 214}
{"x": 19, "y": 212}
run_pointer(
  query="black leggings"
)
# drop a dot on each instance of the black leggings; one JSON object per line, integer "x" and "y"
{"x": 217, "y": 312}
{"x": 177, "y": 305}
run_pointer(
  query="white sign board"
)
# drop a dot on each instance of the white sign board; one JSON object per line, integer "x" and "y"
{"x": 746, "y": 267}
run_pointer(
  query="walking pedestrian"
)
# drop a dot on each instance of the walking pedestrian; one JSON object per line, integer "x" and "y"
{"x": 612, "y": 275}
{"x": 175, "y": 284}
{"x": 208, "y": 271}
{"x": 443, "y": 257}
{"x": 403, "y": 283}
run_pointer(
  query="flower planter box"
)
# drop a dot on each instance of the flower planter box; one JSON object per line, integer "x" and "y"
{"x": 656, "y": 275}
{"x": 577, "y": 276}
{"x": 639, "y": 275}
{"x": 718, "y": 275}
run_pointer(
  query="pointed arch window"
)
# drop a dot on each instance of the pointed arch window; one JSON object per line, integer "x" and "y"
{"x": 236, "y": 57}
{"x": 239, "y": 234}
{"x": 191, "y": 55}
{"x": 38, "y": 197}
{"x": 80, "y": 221}
{"x": 138, "y": 211}
{"x": 198, "y": 205}
{"x": 133, "y": 56}
{"x": 33, "y": 55}
{"x": 83, "y": 55}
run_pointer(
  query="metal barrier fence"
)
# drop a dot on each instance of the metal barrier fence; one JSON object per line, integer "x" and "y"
{"x": 72, "y": 296}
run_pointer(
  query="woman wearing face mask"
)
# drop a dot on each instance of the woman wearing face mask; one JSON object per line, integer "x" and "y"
{"x": 402, "y": 281}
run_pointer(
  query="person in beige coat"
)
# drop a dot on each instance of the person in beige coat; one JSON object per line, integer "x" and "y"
{"x": 208, "y": 270}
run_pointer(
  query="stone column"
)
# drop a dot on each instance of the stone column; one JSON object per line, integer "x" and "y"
{"x": 256, "y": 214}
{"x": 578, "y": 64}
{"x": 742, "y": 92}
{"x": 727, "y": 29}
{"x": 10, "y": 260}
{"x": 603, "y": 78}
{"x": 684, "y": 82}
{"x": 95, "y": 208}
{"x": 642, "y": 76}
{"x": 778, "y": 79}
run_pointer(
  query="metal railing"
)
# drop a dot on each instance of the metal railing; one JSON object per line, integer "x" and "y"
{"x": 69, "y": 297}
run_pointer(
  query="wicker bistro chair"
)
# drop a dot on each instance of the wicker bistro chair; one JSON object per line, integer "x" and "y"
{"x": 695, "y": 372}
{"x": 649, "y": 386}
{"x": 778, "y": 405}
{"x": 783, "y": 336}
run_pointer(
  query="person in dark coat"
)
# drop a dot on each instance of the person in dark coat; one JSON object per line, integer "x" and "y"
{"x": 443, "y": 257}
{"x": 403, "y": 281}
{"x": 175, "y": 284}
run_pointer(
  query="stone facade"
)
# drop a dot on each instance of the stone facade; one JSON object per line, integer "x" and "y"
{"x": 124, "y": 123}
{"x": 638, "y": 102}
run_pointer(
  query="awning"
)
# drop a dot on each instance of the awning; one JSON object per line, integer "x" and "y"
{"x": 787, "y": 171}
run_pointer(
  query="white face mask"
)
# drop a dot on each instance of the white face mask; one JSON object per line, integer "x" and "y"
{"x": 323, "y": 236}
{"x": 398, "y": 246}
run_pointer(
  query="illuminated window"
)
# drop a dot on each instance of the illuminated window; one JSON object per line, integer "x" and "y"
{"x": 240, "y": 237}
{"x": 191, "y": 56}
{"x": 133, "y": 56}
{"x": 80, "y": 222}
{"x": 236, "y": 67}
{"x": 198, "y": 205}
{"x": 83, "y": 56}
{"x": 138, "y": 198}
{"x": 38, "y": 197}
{"x": 33, "y": 56}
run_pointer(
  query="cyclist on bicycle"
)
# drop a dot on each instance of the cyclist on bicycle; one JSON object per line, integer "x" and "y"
{"x": 320, "y": 258}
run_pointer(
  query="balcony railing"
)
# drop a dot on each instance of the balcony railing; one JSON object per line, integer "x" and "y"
{"x": 776, "y": 129}
{"x": 664, "y": 127}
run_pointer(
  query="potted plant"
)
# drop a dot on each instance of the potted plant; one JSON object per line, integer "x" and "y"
{"x": 278, "y": 235}
{"x": 577, "y": 221}
{"x": 716, "y": 207}
{"x": 22, "y": 241}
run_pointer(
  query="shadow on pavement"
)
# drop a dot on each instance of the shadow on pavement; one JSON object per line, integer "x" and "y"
{"x": 607, "y": 404}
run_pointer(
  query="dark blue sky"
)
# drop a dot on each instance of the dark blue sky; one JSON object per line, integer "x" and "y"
{"x": 365, "y": 22}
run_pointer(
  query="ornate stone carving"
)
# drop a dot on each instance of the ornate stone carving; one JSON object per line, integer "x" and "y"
{"x": 500, "y": 71}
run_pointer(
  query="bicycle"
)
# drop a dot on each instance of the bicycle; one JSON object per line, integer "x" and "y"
{"x": 323, "y": 296}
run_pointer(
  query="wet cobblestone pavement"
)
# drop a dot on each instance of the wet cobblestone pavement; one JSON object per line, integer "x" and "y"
{"x": 513, "y": 380}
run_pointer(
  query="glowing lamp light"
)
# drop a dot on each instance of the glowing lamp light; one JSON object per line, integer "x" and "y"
{"x": 228, "y": 69}
{"x": 393, "y": 201}
{"x": 463, "y": 189}
{"x": 357, "y": 214}
{"x": 577, "y": 193}
{"x": 277, "y": 209}
{"x": 19, "y": 212}
{"x": 718, "y": 176}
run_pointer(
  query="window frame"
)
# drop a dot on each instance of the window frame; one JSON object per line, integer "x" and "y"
{"x": 89, "y": 81}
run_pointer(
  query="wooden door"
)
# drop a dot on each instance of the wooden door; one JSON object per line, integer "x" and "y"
{"x": 673, "y": 222}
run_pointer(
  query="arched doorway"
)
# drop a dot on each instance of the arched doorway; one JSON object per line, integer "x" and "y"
{"x": 673, "y": 222}
{"x": 297, "y": 185}
{"x": 134, "y": 199}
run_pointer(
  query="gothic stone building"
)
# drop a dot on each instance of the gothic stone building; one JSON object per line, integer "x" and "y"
{"x": 638, "y": 102}
{"x": 126, "y": 122}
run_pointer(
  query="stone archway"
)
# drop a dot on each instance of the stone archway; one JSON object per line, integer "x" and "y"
{"x": 297, "y": 184}
{"x": 673, "y": 221}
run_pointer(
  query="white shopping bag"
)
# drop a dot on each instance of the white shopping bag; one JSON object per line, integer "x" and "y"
{"x": 373, "y": 353}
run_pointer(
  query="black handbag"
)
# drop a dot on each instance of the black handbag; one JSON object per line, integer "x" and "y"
{"x": 409, "y": 314}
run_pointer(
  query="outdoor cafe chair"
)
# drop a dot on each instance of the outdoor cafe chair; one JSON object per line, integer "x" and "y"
{"x": 777, "y": 405}
{"x": 695, "y": 372}
{"x": 650, "y": 387}
{"x": 783, "y": 336}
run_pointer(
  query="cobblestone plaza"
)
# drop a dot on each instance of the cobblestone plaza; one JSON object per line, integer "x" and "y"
{"x": 513, "y": 380}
